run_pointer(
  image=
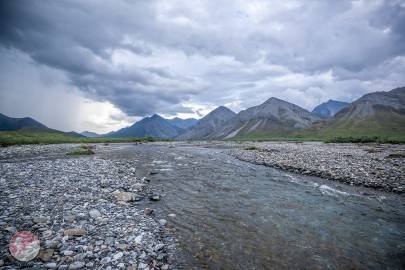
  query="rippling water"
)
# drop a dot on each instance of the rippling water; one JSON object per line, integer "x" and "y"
{"x": 231, "y": 214}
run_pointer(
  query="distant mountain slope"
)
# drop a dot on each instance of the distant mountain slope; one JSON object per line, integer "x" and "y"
{"x": 374, "y": 114}
{"x": 274, "y": 116}
{"x": 9, "y": 123}
{"x": 70, "y": 133}
{"x": 90, "y": 134}
{"x": 183, "y": 123}
{"x": 208, "y": 124}
{"x": 154, "y": 126}
{"x": 330, "y": 108}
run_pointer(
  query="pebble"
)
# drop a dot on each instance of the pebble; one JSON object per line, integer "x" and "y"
{"x": 45, "y": 255}
{"x": 142, "y": 266}
{"x": 122, "y": 246}
{"x": 40, "y": 220}
{"x": 105, "y": 260}
{"x": 154, "y": 197}
{"x": 138, "y": 239}
{"x": 124, "y": 196}
{"x": 118, "y": 256}
{"x": 68, "y": 252}
{"x": 162, "y": 222}
{"x": 74, "y": 232}
{"x": 51, "y": 265}
{"x": 95, "y": 213}
{"x": 76, "y": 265}
{"x": 70, "y": 218}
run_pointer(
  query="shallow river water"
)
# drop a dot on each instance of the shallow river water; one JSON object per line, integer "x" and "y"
{"x": 231, "y": 214}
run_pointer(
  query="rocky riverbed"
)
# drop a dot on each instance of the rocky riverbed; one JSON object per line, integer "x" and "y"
{"x": 102, "y": 211}
{"x": 372, "y": 165}
{"x": 86, "y": 211}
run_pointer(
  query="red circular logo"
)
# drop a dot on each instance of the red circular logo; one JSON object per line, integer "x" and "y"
{"x": 24, "y": 246}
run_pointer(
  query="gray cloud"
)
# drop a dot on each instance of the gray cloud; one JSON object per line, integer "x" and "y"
{"x": 157, "y": 56}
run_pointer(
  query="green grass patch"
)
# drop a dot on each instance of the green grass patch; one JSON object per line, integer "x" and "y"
{"x": 251, "y": 148}
{"x": 87, "y": 147}
{"x": 40, "y": 136}
{"x": 365, "y": 139}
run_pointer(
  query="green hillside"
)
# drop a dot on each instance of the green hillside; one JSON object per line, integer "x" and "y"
{"x": 47, "y": 136}
{"x": 384, "y": 123}
{"x": 383, "y": 126}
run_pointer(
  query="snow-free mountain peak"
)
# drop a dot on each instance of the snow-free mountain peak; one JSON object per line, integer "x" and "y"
{"x": 208, "y": 124}
{"x": 330, "y": 108}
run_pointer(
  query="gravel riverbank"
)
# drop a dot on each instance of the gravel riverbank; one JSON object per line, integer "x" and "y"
{"x": 86, "y": 211}
{"x": 371, "y": 165}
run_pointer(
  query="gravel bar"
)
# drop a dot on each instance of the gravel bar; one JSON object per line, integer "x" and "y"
{"x": 86, "y": 211}
{"x": 379, "y": 166}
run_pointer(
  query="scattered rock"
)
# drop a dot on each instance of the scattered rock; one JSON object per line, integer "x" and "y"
{"x": 154, "y": 197}
{"x": 162, "y": 222}
{"x": 138, "y": 239}
{"x": 353, "y": 164}
{"x": 142, "y": 266}
{"x": 94, "y": 213}
{"x": 68, "y": 252}
{"x": 76, "y": 265}
{"x": 104, "y": 183}
{"x": 51, "y": 265}
{"x": 105, "y": 260}
{"x": 74, "y": 232}
{"x": 122, "y": 247}
{"x": 67, "y": 203}
{"x": 118, "y": 256}
{"x": 159, "y": 247}
{"x": 45, "y": 255}
{"x": 40, "y": 220}
{"x": 125, "y": 196}
{"x": 69, "y": 218}
{"x": 148, "y": 211}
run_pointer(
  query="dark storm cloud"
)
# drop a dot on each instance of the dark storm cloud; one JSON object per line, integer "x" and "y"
{"x": 155, "y": 56}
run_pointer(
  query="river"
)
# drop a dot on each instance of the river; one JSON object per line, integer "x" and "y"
{"x": 230, "y": 214}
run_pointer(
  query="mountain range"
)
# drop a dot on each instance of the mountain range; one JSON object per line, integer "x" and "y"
{"x": 273, "y": 116}
{"x": 374, "y": 114}
{"x": 330, "y": 108}
{"x": 207, "y": 125}
{"x": 154, "y": 126}
{"x": 9, "y": 123}
{"x": 29, "y": 125}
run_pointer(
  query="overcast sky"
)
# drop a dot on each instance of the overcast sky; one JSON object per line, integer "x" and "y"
{"x": 101, "y": 65}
